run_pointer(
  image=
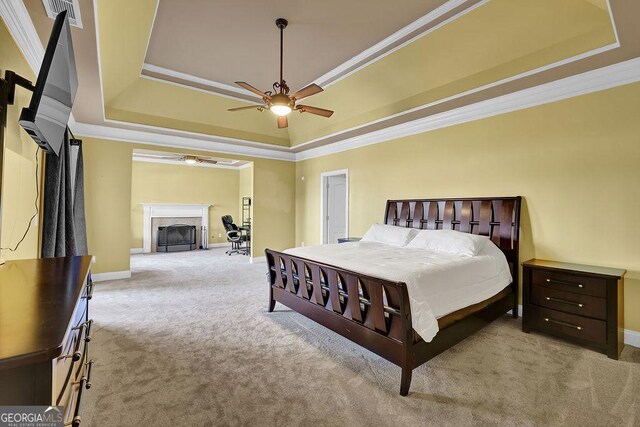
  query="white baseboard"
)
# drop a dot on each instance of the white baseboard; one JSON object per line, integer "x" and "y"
{"x": 630, "y": 337}
{"x": 258, "y": 259}
{"x": 136, "y": 251}
{"x": 111, "y": 275}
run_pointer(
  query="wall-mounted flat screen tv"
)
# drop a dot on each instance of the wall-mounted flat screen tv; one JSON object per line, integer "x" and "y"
{"x": 46, "y": 118}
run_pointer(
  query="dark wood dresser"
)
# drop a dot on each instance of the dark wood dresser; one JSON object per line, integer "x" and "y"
{"x": 45, "y": 332}
{"x": 580, "y": 303}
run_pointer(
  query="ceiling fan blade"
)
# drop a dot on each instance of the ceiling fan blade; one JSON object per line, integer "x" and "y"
{"x": 250, "y": 88}
{"x": 312, "y": 89}
{"x": 283, "y": 122}
{"x": 250, "y": 107}
{"x": 314, "y": 110}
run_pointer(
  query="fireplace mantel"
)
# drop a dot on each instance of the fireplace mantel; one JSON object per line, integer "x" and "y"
{"x": 169, "y": 210}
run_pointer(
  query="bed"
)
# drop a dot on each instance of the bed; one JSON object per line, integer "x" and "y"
{"x": 374, "y": 310}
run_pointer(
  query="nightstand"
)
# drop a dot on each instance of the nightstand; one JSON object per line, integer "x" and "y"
{"x": 580, "y": 303}
{"x": 349, "y": 239}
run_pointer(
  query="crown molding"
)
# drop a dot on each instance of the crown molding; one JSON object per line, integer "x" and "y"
{"x": 592, "y": 81}
{"x": 150, "y": 137}
{"x": 15, "y": 15}
{"x": 207, "y": 86}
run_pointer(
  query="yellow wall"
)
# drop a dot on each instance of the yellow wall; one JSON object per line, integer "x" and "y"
{"x": 245, "y": 188}
{"x": 164, "y": 183}
{"x": 107, "y": 192}
{"x": 18, "y": 175}
{"x": 575, "y": 162}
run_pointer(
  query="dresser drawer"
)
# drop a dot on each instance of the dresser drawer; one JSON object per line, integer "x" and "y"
{"x": 570, "y": 325}
{"x": 568, "y": 282}
{"x": 569, "y": 302}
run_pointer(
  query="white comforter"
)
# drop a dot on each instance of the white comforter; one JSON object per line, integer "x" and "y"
{"x": 438, "y": 284}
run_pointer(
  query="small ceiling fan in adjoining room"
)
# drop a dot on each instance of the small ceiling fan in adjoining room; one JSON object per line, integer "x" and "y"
{"x": 279, "y": 101}
{"x": 186, "y": 158}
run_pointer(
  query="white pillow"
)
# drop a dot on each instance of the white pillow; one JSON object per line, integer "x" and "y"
{"x": 390, "y": 234}
{"x": 449, "y": 241}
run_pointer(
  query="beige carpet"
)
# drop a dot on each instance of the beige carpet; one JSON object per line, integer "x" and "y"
{"x": 188, "y": 342}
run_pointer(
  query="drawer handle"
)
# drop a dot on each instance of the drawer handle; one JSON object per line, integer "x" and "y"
{"x": 76, "y": 355}
{"x": 546, "y": 319}
{"x": 87, "y": 325}
{"x": 560, "y": 282}
{"x": 89, "y": 293}
{"x": 87, "y": 335}
{"x": 76, "y": 420}
{"x": 89, "y": 366}
{"x": 564, "y": 301}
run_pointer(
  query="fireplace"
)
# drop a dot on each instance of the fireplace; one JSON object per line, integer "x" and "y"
{"x": 176, "y": 237}
{"x": 164, "y": 214}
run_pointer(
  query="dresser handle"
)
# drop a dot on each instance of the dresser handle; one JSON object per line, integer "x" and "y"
{"x": 76, "y": 355}
{"x": 76, "y": 420}
{"x": 560, "y": 282}
{"x": 546, "y": 319}
{"x": 88, "y": 377}
{"x": 89, "y": 293}
{"x": 564, "y": 301}
{"x": 87, "y": 335}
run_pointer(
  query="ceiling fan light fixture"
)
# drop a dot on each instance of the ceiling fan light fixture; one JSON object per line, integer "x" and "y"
{"x": 280, "y": 110}
{"x": 190, "y": 160}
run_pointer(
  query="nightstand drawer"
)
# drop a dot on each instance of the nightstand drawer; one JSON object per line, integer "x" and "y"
{"x": 569, "y": 302}
{"x": 568, "y": 282}
{"x": 559, "y": 323}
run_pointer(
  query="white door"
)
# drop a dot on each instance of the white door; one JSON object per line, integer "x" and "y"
{"x": 336, "y": 217}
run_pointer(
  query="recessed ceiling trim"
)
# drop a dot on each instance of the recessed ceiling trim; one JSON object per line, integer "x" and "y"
{"x": 412, "y": 32}
{"x": 235, "y": 142}
{"x": 154, "y": 72}
{"x": 177, "y": 141}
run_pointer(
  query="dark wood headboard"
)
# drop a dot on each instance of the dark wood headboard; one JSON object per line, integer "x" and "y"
{"x": 496, "y": 217}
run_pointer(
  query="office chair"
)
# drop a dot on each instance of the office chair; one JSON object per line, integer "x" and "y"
{"x": 235, "y": 237}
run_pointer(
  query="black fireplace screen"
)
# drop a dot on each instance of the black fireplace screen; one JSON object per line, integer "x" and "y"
{"x": 176, "y": 237}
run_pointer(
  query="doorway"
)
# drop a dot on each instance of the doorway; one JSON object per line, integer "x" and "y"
{"x": 334, "y": 193}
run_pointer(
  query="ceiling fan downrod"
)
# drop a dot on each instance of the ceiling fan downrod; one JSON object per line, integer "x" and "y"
{"x": 282, "y": 23}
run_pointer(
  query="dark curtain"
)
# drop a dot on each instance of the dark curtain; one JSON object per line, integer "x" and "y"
{"x": 63, "y": 223}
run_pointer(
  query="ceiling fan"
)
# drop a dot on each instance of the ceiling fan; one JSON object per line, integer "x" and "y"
{"x": 279, "y": 101}
{"x": 191, "y": 160}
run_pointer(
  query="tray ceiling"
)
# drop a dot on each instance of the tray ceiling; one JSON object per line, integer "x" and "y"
{"x": 227, "y": 41}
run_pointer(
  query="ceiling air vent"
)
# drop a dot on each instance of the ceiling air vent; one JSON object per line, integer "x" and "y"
{"x": 54, "y": 7}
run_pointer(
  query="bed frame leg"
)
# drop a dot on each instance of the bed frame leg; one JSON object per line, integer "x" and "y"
{"x": 405, "y": 381}
{"x": 272, "y": 302}
{"x": 514, "y": 311}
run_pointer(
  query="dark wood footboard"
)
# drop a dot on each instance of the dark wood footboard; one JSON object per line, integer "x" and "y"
{"x": 369, "y": 311}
